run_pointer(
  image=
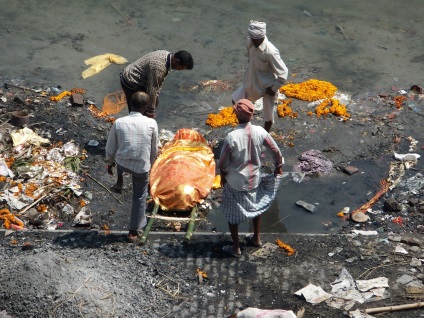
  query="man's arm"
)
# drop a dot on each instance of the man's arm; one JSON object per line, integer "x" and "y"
{"x": 154, "y": 84}
{"x": 278, "y": 159}
{"x": 110, "y": 149}
{"x": 154, "y": 145}
{"x": 223, "y": 162}
{"x": 279, "y": 69}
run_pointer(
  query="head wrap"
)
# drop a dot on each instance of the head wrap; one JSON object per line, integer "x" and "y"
{"x": 244, "y": 110}
{"x": 256, "y": 30}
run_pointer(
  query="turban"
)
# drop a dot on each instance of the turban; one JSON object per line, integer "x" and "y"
{"x": 257, "y": 30}
{"x": 244, "y": 110}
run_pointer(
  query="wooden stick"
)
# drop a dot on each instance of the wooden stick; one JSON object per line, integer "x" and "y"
{"x": 280, "y": 220}
{"x": 32, "y": 204}
{"x": 394, "y": 308}
{"x": 190, "y": 226}
{"x": 21, "y": 87}
{"x": 88, "y": 175}
{"x": 125, "y": 16}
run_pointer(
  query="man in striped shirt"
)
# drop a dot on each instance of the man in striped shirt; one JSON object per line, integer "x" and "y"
{"x": 133, "y": 145}
{"x": 148, "y": 73}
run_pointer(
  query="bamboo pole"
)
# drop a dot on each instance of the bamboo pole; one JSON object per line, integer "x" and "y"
{"x": 99, "y": 183}
{"x": 394, "y": 308}
{"x": 149, "y": 224}
{"x": 171, "y": 218}
{"x": 190, "y": 226}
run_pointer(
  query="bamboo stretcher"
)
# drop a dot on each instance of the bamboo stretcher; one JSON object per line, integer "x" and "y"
{"x": 154, "y": 216}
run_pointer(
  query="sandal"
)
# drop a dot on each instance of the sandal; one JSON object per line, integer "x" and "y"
{"x": 249, "y": 239}
{"x": 132, "y": 238}
{"x": 116, "y": 189}
{"x": 228, "y": 249}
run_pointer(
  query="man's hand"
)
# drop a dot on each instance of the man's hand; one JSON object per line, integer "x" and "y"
{"x": 109, "y": 169}
{"x": 223, "y": 181}
{"x": 278, "y": 171}
{"x": 269, "y": 91}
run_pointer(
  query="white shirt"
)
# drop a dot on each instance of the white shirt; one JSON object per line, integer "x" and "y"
{"x": 241, "y": 155}
{"x": 265, "y": 69}
{"x": 132, "y": 142}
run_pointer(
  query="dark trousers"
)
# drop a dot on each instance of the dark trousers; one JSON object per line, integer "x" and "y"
{"x": 140, "y": 182}
{"x": 129, "y": 92}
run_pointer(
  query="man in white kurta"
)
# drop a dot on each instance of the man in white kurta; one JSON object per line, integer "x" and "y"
{"x": 265, "y": 73}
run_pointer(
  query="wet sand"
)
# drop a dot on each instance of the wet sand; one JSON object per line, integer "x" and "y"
{"x": 366, "y": 47}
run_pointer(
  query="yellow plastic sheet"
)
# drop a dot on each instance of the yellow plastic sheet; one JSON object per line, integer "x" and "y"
{"x": 100, "y": 62}
{"x": 184, "y": 172}
{"x": 114, "y": 103}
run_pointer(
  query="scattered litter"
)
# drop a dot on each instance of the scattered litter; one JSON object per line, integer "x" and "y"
{"x": 266, "y": 250}
{"x": 360, "y": 217}
{"x": 307, "y": 206}
{"x": 406, "y": 157}
{"x": 84, "y": 217}
{"x": 93, "y": 143}
{"x": 265, "y": 313}
{"x": 400, "y": 250}
{"x": 26, "y": 135}
{"x": 313, "y": 294}
{"x": 365, "y": 233}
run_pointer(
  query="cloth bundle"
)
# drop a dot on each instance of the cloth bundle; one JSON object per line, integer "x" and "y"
{"x": 100, "y": 62}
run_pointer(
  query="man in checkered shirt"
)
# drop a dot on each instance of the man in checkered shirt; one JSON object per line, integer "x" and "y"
{"x": 247, "y": 193}
{"x": 148, "y": 73}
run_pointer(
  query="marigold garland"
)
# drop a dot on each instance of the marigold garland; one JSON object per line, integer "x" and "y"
{"x": 78, "y": 90}
{"x": 309, "y": 90}
{"x": 399, "y": 100}
{"x": 285, "y": 110}
{"x": 60, "y": 96}
{"x": 290, "y": 250}
{"x": 225, "y": 117}
{"x": 332, "y": 106}
{"x": 9, "y": 218}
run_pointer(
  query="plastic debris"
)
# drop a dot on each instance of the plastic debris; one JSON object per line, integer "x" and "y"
{"x": 406, "y": 157}
{"x": 307, "y": 206}
{"x": 313, "y": 294}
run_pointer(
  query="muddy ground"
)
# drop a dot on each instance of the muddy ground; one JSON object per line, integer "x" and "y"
{"x": 95, "y": 273}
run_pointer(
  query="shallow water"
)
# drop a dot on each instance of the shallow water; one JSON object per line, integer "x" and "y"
{"x": 381, "y": 46}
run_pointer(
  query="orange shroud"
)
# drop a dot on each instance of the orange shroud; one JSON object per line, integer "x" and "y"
{"x": 184, "y": 172}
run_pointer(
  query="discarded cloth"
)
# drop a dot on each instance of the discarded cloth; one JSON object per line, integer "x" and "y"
{"x": 26, "y": 135}
{"x": 100, "y": 62}
{"x": 313, "y": 162}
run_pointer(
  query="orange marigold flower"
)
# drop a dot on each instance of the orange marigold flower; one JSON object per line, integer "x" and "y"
{"x": 399, "y": 100}
{"x": 8, "y": 218}
{"x": 42, "y": 208}
{"x": 60, "y": 96}
{"x": 290, "y": 251}
{"x": 309, "y": 90}
{"x": 225, "y": 117}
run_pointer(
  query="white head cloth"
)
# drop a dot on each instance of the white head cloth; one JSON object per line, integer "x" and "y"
{"x": 256, "y": 30}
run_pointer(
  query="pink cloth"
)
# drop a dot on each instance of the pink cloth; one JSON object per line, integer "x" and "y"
{"x": 244, "y": 110}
